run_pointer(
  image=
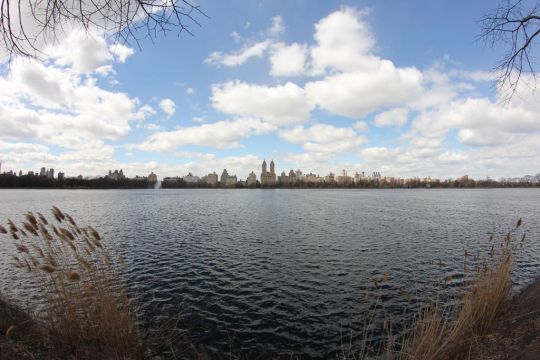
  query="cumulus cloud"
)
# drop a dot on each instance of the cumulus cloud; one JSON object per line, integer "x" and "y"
{"x": 219, "y": 135}
{"x": 344, "y": 42}
{"x": 121, "y": 52}
{"x": 323, "y": 140}
{"x": 481, "y": 121}
{"x": 80, "y": 51}
{"x": 355, "y": 94}
{"x": 277, "y": 26}
{"x": 239, "y": 57}
{"x": 288, "y": 60}
{"x": 394, "y": 117}
{"x": 168, "y": 106}
{"x": 361, "y": 126}
{"x": 60, "y": 103}
{"x": 280, "y": 105}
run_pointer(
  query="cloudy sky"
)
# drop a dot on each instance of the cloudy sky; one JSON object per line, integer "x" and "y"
{"x": 403, "y": 88}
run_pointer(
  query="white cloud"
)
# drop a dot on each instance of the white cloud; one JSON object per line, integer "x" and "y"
{"x": 356, "y": 94}
{"x": 277, "y": 26}
{"x": 480, "y": 121}
{"x": 152, "y": 127}
{"x": 22, "y": 146}
{"x": 394, "y": 117}
{"x": 168, "y": 106}
{"x": 361, "y": 126}
{"x": 344, "y": 42}
{"x": 236, "y": 37}
{"x": 450, "y": 157}
{"x": 105, "y": 70}
{"x": 54, "y": 104}
{"x": 378, "y": 153}
{"x": 144, "y": 112}
{"x": 121, "y": 52}
{"x": 82, "y": 52}
{"x": 280, "y": 105}
{"x": 288, "y": 60}
{"x": 219, "y": 135}
{"x": 240, "y": 57}
{"x": 323, "y": 140}
{"x": 190, "y": 91}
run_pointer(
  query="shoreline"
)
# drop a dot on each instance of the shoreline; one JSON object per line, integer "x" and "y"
{"x": 516, "y": 334}
{"x": 281, "y": 188}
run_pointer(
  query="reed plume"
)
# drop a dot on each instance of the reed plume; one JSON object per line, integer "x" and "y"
{"x": 86, "y": 309}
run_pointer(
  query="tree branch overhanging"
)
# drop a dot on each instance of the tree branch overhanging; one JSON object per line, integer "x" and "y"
{"x": 27, "y": 26}
{"x": 516, "y": 25}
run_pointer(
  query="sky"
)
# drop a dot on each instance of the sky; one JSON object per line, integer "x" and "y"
{"x": 403, "y": 88}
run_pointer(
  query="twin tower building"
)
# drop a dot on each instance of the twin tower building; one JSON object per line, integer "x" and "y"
{"x": 268, "y": 178}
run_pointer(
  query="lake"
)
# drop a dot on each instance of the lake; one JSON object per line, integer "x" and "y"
{"x": 285, "y": 271}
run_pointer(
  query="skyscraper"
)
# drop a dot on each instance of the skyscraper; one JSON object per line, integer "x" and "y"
{"x": 268, "y": 178}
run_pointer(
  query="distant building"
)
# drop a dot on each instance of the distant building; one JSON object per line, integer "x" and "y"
{"x": 376, "y": 175}
{"x": 312, "y": 178}
{"x": 228, "y": 180}
{"x": 116, "y": 175}
{"x": 330, "y": 178}
{"x": 61, "y": 176}
{"x": 268, "y": 178}
{"x": 50, "y": 173}
{"x": 152, "y": 178}
{"x": 43, "y": 172}
{"x": 251, "y": 180}
{"x": 210, "y": 179}
{"x": 299, "y": 176}
{"x": 171, "y": 181}
{"x": 292, "y": 176}
{"x": 344, "y": 179}
{"x": 191, "y": 179}
{"x": 283, "y": 178}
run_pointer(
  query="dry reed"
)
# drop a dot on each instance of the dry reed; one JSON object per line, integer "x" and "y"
{"x": 449, "y": 332}
{"x": 86, "y": 311}
{"x": 448, "y": 329}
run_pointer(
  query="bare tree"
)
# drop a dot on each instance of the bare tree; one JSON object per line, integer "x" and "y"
{"x": 26, "y": 26}
{"x": 516, "y": 24}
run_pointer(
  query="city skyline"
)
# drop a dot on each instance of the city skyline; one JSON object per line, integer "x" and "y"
{"x": 322, "y": 85}
{"x": 269, "y": 177}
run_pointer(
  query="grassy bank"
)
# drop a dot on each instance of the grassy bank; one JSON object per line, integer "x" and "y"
{"x": 88, "y": 315}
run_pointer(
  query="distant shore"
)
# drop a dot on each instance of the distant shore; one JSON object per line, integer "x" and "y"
{"x": 531, "y": 186}
{"x": 11, "y": 181}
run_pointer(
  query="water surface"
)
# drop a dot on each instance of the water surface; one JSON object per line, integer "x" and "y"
{"x": 285, "y": 271}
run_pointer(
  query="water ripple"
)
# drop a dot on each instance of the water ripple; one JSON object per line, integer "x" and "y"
{"x": 287, "y": 271}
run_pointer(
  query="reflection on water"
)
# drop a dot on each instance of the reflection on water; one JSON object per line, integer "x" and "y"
{"x": 285, "y": 270}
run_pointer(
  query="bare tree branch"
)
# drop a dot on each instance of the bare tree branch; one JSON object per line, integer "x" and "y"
{"x": 27, "y": 25}
{"x": 516, "y": 24}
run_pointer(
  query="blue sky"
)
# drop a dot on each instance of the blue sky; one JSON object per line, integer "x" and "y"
{"x": 403, "y": 88}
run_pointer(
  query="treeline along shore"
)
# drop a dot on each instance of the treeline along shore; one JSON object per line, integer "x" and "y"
{"x": 362, "y": 184}
{"x": 8, "y": 181}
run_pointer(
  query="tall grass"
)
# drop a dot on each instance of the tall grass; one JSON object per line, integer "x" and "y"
{"x": 449, "y": 331}
{"x": 86, "y": 311}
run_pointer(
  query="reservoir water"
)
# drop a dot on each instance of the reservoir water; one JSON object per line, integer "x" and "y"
{"x": 284, "y": 271}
